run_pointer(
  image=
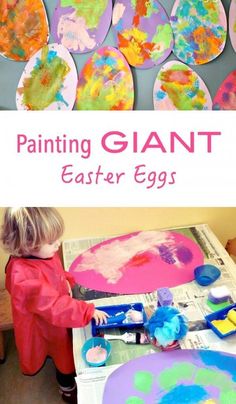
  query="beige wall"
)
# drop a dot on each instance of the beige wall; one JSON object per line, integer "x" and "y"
{"x": 112, "y": 221}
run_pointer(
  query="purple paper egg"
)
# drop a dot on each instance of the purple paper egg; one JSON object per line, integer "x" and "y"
{"x": 142, "y": 32}
{"x": 178, "y": 87}
{"x": 81, "y": 26}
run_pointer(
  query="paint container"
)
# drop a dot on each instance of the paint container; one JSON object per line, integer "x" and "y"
{"x": 94, "y": 343}
{"x": 216, "y": 321}
{"x": 164, "y": 297}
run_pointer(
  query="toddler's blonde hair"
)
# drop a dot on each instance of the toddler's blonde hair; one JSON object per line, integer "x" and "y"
{"x": 25, "y": 230}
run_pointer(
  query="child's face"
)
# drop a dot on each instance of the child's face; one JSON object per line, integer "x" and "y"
{"x": 47, "y": 250}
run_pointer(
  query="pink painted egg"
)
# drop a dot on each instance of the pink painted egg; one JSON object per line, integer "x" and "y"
{"x": 178, "y": 87}
{"x": 200, "y": 30}
{"x": 105, "y": 82}
{"x": 225, "y": 97}
{"x": 142, "y": 32}
{"x": 23, "y": 28}
{"x": 232, "y": 23}
{"x": 138, "y": 262}
{"x": 48, "y": 81}
{"x": 81, "y": 26}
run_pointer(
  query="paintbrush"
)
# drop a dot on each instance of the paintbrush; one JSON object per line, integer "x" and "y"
{"x": 129, "y": 338}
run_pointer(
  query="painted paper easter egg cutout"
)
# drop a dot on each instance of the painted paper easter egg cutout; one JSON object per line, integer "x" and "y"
{"x": 225, "y": 98}
{"x": 81, "y": 26}
{"x": 182, "y": 376}
{"x": 105, "y": 82}
{"x": 138, "y": 262}
{"x": 142, "y": 32}
{"x": 23, "y": 28}
{"x": 232, "y": 23}
{"x": 178, "y": 87}
{"x": 48, "y": 81}
{"x": 200, "y": 30}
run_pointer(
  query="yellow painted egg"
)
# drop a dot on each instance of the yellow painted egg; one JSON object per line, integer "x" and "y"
{"x": 105, "y": 82}
{"x": 49, "y": 81}
{"x": 23, "y": 28}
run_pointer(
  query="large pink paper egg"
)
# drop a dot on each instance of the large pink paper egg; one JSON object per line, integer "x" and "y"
{"x": 200, "y": 30}
{"x": 142, "y": 32}
{"x": 23, "y": 28}
{"x": 48, "y": 81}
{"x": 225, "y": 97}
{"x": 138, "y": 262}
{"x": 81, "y": 26}
{"x": 105, "y": 82}
{"x": 178, "y": 87}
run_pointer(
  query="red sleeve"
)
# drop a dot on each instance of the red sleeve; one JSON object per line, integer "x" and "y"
{"x": 70, "y": 279}
{"x": 43, "y": 300}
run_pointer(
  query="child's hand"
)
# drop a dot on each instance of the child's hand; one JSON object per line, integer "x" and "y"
{"x": 231, "y": 246}
{"x": 100, "y": 317}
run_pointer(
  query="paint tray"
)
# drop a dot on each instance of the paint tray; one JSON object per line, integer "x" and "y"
{"x": 220, "y": 315}
{"x": 117, "y": 317}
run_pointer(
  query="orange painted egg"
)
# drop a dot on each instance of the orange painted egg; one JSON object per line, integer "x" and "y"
{"x": 23, "y": 28}
{"x": 178, "y": 87}
{"x": 105, "y": 82}
{"x": 142, "y": 32}
{"x": 200, "y": 30}
{"x": 49, "y": 81}
{"x": 225, "y": 98}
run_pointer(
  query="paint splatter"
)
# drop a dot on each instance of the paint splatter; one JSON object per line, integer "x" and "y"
{"x": 90, "y": 10}
{"x": 199, "y": 29}
{"x": 43, "y": 85}
{"x": 105, "y": 82}
{"x": 225, "y": 98}
{"x": 178, "y": 87}
{"x": 189, "y": 394}
{"x": 24, "y": 28}
{"x": 142, "y": 31}
{"x": 185, "y": 376}
{"x": 81, "y": 26}
{"x": 143, "y": 381}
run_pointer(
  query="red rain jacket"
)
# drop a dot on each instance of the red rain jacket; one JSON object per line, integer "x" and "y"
{"x": 43, "y": 311}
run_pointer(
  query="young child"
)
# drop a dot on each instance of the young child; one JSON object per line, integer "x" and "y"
{"x": 43, "y": 310}
{"x": 231, "y": 246}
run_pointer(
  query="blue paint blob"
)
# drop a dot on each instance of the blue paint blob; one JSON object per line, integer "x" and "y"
{"x": 160, "y": 95}
{"x": 220, "y": 361}
{"x": 185, "y": 394}
{"x": 51, "y": 55}
{"x": 60, "y": 98}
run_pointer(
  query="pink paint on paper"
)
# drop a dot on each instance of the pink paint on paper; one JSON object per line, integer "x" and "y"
{"x": 138, "y": 262}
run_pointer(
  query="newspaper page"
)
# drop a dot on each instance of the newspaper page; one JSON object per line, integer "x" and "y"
{"x": 190, "y": 299}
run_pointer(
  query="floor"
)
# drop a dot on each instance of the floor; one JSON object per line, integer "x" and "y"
{"x": 19, "y": 389}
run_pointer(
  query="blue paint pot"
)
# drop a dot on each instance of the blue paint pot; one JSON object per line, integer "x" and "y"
{"x": 92, "y": 343}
